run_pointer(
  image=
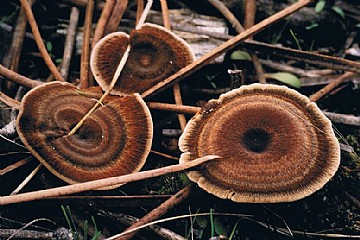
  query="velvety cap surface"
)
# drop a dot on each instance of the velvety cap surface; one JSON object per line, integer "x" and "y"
{"x": 276, "y": 145}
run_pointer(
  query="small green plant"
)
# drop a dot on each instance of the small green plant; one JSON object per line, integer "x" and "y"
{"x": 49, "y": 47}
{"x": 295, "y": 39}
{"x": 285, "y": 77}
{"x": 73, "y": 229}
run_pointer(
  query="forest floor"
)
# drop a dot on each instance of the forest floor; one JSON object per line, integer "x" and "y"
{"x": 329, "y": 28}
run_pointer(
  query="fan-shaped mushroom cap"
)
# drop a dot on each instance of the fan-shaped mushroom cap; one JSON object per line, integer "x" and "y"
{"x": 156, "y": 53}
{"x": 276, "y": 145}
{"x": 114, "y": 140}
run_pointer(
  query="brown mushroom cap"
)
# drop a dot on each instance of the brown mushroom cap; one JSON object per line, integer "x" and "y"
{"x": 276, "y": 145}
{"x": 156, "y": 53}
{"x": 114, "y": 140}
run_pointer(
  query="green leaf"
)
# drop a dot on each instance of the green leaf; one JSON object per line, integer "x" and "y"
{"x": 184, "y": 179}
{"x": 58, "y": 60}
{"x": 49, "y": 46}
{"x": 286, "y": 78}
{"x": 212, "y": 223}
{"x": 320, "y": 5}
{"x": 311, "y": 26}
{"x": 232, "y": 234}
{"x": 339, "y": 11}
{"x": 202, "y": 221}
{"x": 220, "y": 228}
{"x": 240, "y": 55}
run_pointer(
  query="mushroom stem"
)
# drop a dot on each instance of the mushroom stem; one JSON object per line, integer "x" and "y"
{"x": 102, "y": 183}
{"x": 111, "y": 86}
{"x": 231, "y": 43}
{"x": 173, "y": 107}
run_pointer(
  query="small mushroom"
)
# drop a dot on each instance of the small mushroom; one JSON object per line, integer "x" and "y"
{"x": 156, "y": 53}
{"x": 114, "y": 140}
{"x": 276, "y": 145}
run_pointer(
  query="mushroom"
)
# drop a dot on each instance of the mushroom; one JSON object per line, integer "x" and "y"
{"x": 276, "y": 145}
{"x": 114, "y": 140}
{"x": 156, "y": 53}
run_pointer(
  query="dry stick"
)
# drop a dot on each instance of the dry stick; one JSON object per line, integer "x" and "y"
{"x": 156, "y": 213}
{"x": 115, "y": 18}
{"x": 9, "y": 101}
{"x": 176, "y": 87}
{"x": 139, "y": 10}
{"x": 85, "y": 53}
{"x": 12, "y": 58}
{"x": 102, "y": 183}
{"x": 15, "y": 165}
{"x": 69, "y": 42}
{"x": 26, "y": 180}
{"x": 100, "y": 29}
{"x": 103, "y": 20}
{"x": 128, "y": 220}
{"x": 173, "y": 107}
{"x": 15, "y": 77}
{"x": 343, "y": 118}
{"x": 228, "y": 15}
{"x": 250, "y": 12}
{"x": 116, "y": 74}
{"x": 322, "y": 92}
{"x": 303, "y": 56}
{"x": 165, "y": 155}
{"x": 186, "y": 71}
{"x": 35, "y": 30}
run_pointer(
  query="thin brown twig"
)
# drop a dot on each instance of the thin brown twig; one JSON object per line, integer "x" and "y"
{"x": 205, "y": 59}
{"x": 165, "y": 155}
{"x": 116, "y": 16}
{"x": 155, "y": 213}
{"x": 12, "y": 57}
{"x": 139, "y": 10}
{"x": 85, "y": 53}
{"x": 102, "y": 183}
{"x": 15, "y": 77}
{"x": 173, "y": 107}
{"x": 322, "y": 92}
{"x": 176, "y": 87}
{"x": 26, "y": 180}
{"x": 128, "y": 220}
{"x": 100, "y": 29}
{"x": 69, "y": 42}
{"x": 303, "y": 56}
{"x": 103, "y": 20}
{"x": 228, "y": 15}
{"x": 9, "y": 101}
{"x": 250, "y": 13}
{"x": 35, "y": 30}
{"x": 15, "y": 165}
